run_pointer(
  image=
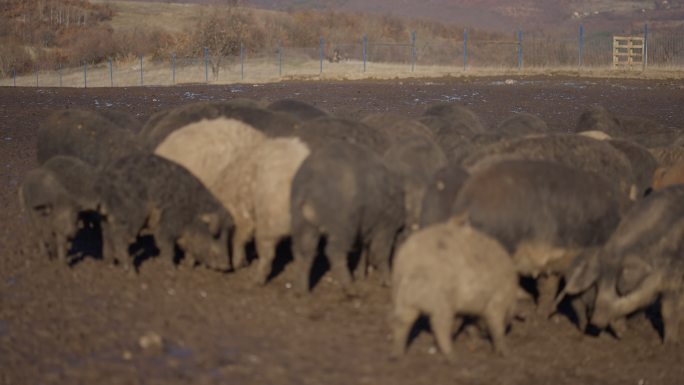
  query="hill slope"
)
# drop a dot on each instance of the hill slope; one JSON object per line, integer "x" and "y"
{"x": 502, "y": 15}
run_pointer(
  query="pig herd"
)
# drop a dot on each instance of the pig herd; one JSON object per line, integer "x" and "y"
{"x": 450, "y": 213}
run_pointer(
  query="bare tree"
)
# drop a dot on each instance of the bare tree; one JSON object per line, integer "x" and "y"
{"x": 222, "y": 31}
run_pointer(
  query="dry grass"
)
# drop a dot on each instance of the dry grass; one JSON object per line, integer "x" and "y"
{"x": 171, "y": 17}
{"x": 261, "y": 70}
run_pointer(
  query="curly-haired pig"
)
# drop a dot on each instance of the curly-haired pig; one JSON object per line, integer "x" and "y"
{"x": 643, "y": 163}
{"x": 441, "y": 194}
{"x": 668, "y": 176}
{"x": 207, "y": 147}
{"x": 572, "y": 150}
{"x": 646, "y": 132}
{"x": 643, "y": 261}
{"x": 543, "y": 213}
{"x": 667, "y": 155}
{"x": 641, "y": 160}
{"x": 397, "y": 128}
{"x": 319, "y": 131}
{"x": 457, "y": 115}
{"x": 161, "y": 125}
{"x": 416, "y": 161}
{"x": 54, "y": 195}
{"x": 344, "y": 193}
{"x": 86, "y": 135}
{"x": 149, "y": 194}
{"x": 521, "y": 124}
{"x": 298, "y": 109}
{"x": 451, "y": 137}
{"x": 452, "y": 269}
{"x": 256, "y": 189}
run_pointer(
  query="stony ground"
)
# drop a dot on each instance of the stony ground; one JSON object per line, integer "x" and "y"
{"x": 94, "y": 324}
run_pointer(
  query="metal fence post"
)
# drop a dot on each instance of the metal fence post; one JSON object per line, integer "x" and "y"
{"x": 321, "y": 54}
{"x": 520, "y": 48}
{"x": 413, "y": 51}
{"x": 206, "y": 64}
{"x": 581, "y": 46}
{"x": 365, "y": 51}
{"x": 280, "y": 60}
{"x": 36, "y": 77}
{"x": 14, "y": 76}
{"x": 242, "y": 61}
{"x": 111, "y": 73}
{"x": 645, "y": 53}
{"x": 141, "y": 71}
{"x": 85, "y": 75}
{"x": 59, "y": 71}
{"x": 465, "y": 49}
{"x": 173, "y": 69}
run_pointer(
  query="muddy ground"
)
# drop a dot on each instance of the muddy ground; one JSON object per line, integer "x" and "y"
{"x": 85, "y": 324}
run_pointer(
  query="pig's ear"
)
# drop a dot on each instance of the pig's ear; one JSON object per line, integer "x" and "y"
{"x": 583, "y": 272}
{"x": 213, "y": 222}
{"x": 634, "y": 269}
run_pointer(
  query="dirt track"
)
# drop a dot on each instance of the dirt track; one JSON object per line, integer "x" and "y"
{"x": 84, "y": 324}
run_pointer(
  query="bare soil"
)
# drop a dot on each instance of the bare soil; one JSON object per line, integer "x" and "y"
{"x": 86, "y": 324}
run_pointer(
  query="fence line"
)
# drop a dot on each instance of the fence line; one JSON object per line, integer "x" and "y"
{"x": 363, "y": 56}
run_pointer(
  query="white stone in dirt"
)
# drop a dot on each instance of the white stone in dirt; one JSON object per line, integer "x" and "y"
{"x": 151, "y": 340}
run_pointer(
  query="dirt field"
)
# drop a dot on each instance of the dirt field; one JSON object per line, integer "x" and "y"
{"x": 85, "y": 324}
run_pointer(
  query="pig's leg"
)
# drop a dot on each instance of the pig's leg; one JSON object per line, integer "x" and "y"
{"x": 336, "y": 249}
{"x": 304, "y": 249}
{"x": 671, "y": 316}
{"x": 379, "y": 254}
{"x": 547, "y": 285}
{"x": 495, "y": 318}
{"x": 167, "y": 248}
{"x": 62, "y": 245}
{"x": 364, "y": 264}
{"x": 115, "y": 244}
{"x": 619, "y": 326}
{"x": 403, "y": 319}
{"x": 580, "y": 309}
{"x": 441, "y": 321}
{"x": 188, "y": 260}
{"x": 266, "y": 248}
{"x": 240, "y": 238}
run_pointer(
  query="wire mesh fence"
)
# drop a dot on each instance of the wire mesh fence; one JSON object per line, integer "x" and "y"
{"x": 358, "y": 57}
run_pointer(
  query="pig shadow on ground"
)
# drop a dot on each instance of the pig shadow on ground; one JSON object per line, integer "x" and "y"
{"x": 88, "y": 244}
{"x": 321, "y": 264}
{"x": 653, "y": 315}
{"x": 283, "y": 257}
{"x": 469, "y": 326}
{"x": 88, "y": 240}
{"x": 145, "y": 248}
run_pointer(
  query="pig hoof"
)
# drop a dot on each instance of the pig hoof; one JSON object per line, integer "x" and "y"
{"x": 449, "y": 359}
{"x": 351, "y": 293}
{"x": 258, "y": 282}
